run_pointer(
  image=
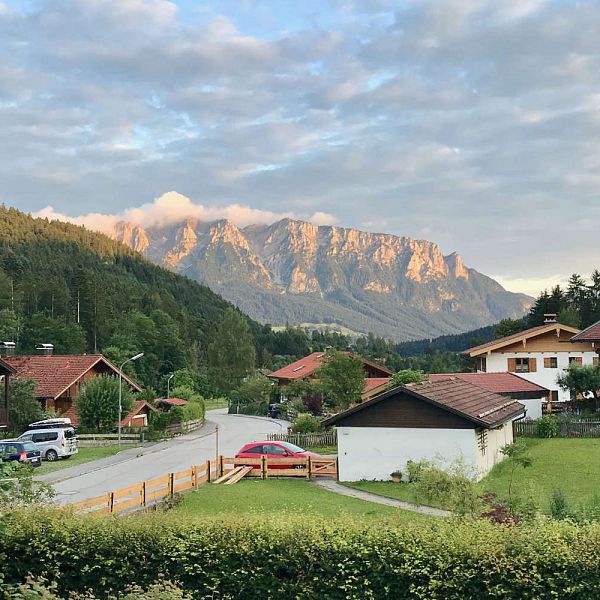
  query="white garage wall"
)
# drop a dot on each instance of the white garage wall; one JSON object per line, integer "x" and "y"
{"x": 374, "y": 452}
{"x": 489, "y": 454}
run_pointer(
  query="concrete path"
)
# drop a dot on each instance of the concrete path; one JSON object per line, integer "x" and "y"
{"x": 334, "y": 486}
{"x": 138, "y": 464}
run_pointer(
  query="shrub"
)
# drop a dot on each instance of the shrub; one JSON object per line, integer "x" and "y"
{"x": 303, "y": 558}
{"x": 306, "y": 423}
{"x": 559, "y": 507}
{"x": 547, "y": 427}
{"x": 414, "y": 469}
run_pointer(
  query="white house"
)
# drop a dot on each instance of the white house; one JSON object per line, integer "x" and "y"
{"x": 531, "y": 395}
{"x": 443, "y": 421}
{"x": 538, "y": 354}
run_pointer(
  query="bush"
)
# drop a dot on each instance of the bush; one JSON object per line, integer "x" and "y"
{"x": 559, "y": 508}
{"x": 547, "y": 427}
{"x": 303, "y": 558}
{"x": 306, "y": 423}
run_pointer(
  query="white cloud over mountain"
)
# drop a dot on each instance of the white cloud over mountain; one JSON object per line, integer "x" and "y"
{"x": 172, "y": 208}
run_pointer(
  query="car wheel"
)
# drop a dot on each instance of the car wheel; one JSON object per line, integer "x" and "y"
{"x": 52, "y": 455}
{"x": 299, "y": 467}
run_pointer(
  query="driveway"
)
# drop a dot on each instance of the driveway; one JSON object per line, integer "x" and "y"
{"x": 175, "y": 455}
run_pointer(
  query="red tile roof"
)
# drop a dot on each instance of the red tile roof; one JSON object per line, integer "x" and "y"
{"x": 309, "y": 364}
{"x": 373, "y": 383}
{"x": 516, "y": 337}
{"x": 590, "y": 334}
{"x": 172, "y": 401}
{"x": 454, "y": 395}
{"x": 499, "y": 383}
{"x": 53, "y": 375}
{"x": 137, "y": 409}
{"x": 71, "y": 413}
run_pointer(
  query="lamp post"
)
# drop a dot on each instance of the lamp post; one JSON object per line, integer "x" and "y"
{"x": 121, "y": 390}
{"x": 168, "y": 384}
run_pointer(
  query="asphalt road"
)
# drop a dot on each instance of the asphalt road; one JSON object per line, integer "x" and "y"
{"x": 180, "y": 453}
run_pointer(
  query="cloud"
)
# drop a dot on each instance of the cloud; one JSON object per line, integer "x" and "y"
{"x": 475, "y": 123}
{"x": 173, "y": 208}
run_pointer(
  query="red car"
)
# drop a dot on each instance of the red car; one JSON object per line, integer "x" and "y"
{"x": 275, "y": 450}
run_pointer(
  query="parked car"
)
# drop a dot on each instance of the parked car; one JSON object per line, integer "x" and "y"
{"x": 24, "y": 452}
{"x": 275, "y": 450}
{"x": 55, "y": 438}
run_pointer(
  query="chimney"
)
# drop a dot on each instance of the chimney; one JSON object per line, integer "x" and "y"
{"x": 550, "y": 318}
{"x": 44, "y": 349}
{"x": 7, "y": 349}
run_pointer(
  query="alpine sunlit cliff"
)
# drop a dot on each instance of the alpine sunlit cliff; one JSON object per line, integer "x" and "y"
{"x": 298, "y": 273}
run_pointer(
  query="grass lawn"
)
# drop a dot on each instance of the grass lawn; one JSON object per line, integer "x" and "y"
{"x": 255, "y": 497}
{"x": 322, "y": 449}
{"x": 84, "y": 455}
{"x": 573, "y": 465}
{"x": 213, "y": 403}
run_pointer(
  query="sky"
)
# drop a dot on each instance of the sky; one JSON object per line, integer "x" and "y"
{"x": 473, "y": 124}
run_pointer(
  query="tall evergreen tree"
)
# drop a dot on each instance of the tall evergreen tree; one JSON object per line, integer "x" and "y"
{"x": 231, "y": 356}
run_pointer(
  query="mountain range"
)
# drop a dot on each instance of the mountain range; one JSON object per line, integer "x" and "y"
{"x": 318, "y": 276}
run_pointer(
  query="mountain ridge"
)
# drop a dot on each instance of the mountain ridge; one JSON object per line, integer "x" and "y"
{"x": 294, "y": 271}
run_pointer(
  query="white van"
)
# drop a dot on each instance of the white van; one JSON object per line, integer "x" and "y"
{"x": 54, "y": 437}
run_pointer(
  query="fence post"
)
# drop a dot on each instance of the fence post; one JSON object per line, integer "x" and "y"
{"x": 337, "y": 469}
{"x": 171, "y": 484}
{"x": 263, "y": 467}
{"x": 207, "y": 471}
{"x": 221, "y": 469}
{"x": 111, "y": 502}
{"x": 195, "y": 476}
{"x": 308, "y": 467}
{"x": 143, "y": 494}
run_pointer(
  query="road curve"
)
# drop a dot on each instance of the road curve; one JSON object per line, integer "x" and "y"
{"x": 178, "y": 454}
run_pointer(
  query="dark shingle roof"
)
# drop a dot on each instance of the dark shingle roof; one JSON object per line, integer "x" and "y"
{"x": 499, "y": 383}
{"x": 590, "y": 334}
{"x": 457, "y": 396}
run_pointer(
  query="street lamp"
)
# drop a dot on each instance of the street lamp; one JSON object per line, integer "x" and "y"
{"x": 121, "y": 390}
{"x": 168, "y": 386}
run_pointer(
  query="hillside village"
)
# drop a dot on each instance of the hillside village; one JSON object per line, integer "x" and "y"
{"x": 299, "y": 304}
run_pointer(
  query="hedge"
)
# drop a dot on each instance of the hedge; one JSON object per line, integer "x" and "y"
{"x": 304, "y": 558}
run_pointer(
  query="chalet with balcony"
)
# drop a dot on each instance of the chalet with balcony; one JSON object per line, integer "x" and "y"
{"x": 538, "y": 355}
{"x": 58, "y": 378}
{"x": 6, "y": 372}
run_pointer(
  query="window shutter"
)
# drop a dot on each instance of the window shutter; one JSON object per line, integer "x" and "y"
{"x": 579, "y": 360}
{"x": 532, "y": 365}
{"x": 512, "y": 364}
{"x": 547, "y": 363}
{"x": 596, "y": 361}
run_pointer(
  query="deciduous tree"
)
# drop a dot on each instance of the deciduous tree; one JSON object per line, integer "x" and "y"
{"x": 98, "y": 403}
{"x": 342, "y": 379}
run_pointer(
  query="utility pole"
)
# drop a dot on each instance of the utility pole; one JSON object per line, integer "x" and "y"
{"x": 217, "y": 442}
{"x": 121, "y": 391}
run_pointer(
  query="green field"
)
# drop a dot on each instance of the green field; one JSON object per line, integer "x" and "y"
{"x": 572, "y": 465}
{"x": 84, "y": 455}
{"x": 212, "y": 403}
{"x": 259, "y": 498}
{"x": 322, "y": 449}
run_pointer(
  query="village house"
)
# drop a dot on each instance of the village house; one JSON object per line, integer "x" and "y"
{"x": 538, "y": 354}
{"x": 167, "y": 404}
{"x": 376, "y": 376}
{"x": 58, "y": 378}
{"x": 443, "y": 421}
{"x": 139, "y": 415}
{"x": 5, "y": 373}
{"x": 531, "y": 395}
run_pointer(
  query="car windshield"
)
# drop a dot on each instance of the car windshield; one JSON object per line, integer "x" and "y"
{"x": 28, "y": 447}
{"x": 292, "y": 447}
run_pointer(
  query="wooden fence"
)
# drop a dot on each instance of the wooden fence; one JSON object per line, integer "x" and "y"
{"x": 184, "y": 426}
{"x": 304, "y": 440}
{"x": 148, "y": 493}
{"x": 567, "y": 428}
{"x": 97, "y": 440}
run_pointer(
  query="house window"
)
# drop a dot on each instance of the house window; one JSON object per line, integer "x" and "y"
{"x": 596, "y": 361}
{"x": 551, "y": 362}
{"x": 521, "y": 365}
{"x": 575, "y": 360}
{"x": 482, "y": 364}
